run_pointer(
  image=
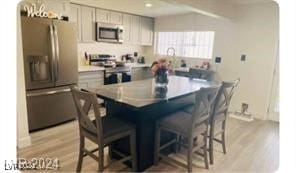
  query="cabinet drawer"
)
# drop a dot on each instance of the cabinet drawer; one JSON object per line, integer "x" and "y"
{"x": 91, "y": 75}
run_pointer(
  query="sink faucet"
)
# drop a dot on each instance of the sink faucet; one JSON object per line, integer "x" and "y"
{"x": 171, "y": 48}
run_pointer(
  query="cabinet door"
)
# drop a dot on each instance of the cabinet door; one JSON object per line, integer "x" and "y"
{"x": 137, "y": 74}
{"x": 102, "y": 15}
{"x": 88, "y": 24}
{"x": 115, "y": 18}
{"x": 147, "y": 25}
{"x": 135, "y": 30}
{"x": 75, "y": 16}
{"x": 61, "y": 8}
{"x": 127, "y": 21}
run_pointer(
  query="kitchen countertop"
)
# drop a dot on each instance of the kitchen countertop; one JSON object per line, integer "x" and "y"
{"x": 141, "y": 93}
{"x": 135, "y": 65}
{"x": 88, "y": 68}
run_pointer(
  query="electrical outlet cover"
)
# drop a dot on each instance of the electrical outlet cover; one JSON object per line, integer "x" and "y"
{"x": 243, "y": 57}
{"x": 218, "y": 60}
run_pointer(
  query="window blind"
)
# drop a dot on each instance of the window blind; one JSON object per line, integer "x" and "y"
{"x": 186, "y": 44}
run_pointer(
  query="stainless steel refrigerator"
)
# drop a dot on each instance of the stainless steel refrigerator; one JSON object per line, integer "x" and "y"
{"x": 50, "y": 63}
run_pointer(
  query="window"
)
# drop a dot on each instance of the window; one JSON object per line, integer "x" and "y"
{"x": 186, "y": 44}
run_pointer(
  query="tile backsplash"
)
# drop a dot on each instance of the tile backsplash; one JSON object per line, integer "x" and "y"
{"x": 108, "y": 48}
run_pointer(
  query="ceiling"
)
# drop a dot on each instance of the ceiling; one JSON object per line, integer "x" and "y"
{"x": 160, "y": 7}
{"x": 247, "y": 1}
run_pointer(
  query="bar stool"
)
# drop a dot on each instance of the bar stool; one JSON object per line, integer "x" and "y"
{"x": 190, "y": 126}
{"x": 102, "y": 131}
{"x": 219, "y": 116}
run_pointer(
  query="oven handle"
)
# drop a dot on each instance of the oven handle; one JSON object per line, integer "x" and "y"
{"x": 48, "y": 92}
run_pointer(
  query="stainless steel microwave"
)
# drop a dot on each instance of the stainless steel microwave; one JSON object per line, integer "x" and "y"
{"x": 109, "y": 33}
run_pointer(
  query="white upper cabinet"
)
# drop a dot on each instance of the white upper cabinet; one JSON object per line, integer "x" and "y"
{"x": 60, "y": 7}
{"x": 102, "y": 15}
{"x": 88, "y": 24}
{"x": 127, "y": 21}
{"x": 137, "y": 30}
{"x": 75, "y": 17}
{"x": 147, "y": 26}
{"x": 106, "y": 16}
{"x": 135, "y": 36}
{"x": 115, "y": 18}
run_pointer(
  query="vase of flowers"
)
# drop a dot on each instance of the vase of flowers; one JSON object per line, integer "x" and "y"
{"x": 160, "y": 70}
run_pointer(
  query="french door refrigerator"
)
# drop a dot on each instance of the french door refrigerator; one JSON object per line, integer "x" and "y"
{"x": 50, "y": 64}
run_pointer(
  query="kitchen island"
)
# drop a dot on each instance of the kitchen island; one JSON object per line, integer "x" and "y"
{"x": 142, "y": 103}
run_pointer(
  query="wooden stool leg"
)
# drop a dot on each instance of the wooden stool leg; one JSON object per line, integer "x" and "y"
{"x": 81, "y": 152}
{"x": 133, "y": 150}
{"x": 223, "y": 143}
{"x": 177, "y": 145}
{"x": 205, "y": 152}
{"x": 156, "y": 145}
{"x": 223, "y": 138}
{"x": 211, "y": 145}
{"x": 101, "y": 159}
{"x": 189, "y": 155}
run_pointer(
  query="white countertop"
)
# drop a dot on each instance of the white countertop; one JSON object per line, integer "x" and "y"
{"x": 135, "y": 65}
{"x": 87, "y": 68}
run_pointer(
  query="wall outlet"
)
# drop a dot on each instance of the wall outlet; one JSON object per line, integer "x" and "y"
{"x": 243, "y": 57}
{"x": 218, "y": 60}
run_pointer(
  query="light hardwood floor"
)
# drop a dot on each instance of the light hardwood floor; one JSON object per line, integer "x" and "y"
{"x": 251, "y": 147}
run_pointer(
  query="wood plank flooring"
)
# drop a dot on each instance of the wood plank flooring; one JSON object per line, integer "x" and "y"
{"x": 251, "y": 147}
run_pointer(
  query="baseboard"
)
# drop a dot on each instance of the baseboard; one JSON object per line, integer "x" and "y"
{"x": 24, "y": 142}
{"x": 248, "y": 119}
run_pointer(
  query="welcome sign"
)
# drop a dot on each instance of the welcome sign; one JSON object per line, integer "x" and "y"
{"x": 33, "y": 11}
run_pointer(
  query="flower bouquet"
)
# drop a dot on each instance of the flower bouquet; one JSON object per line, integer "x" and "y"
{"x": 160, "y": 70}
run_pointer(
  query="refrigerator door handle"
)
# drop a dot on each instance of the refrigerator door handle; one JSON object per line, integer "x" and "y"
{"x": 48, "y": 92}
{"x": 57, "y": 51}
{"x": 52, "y": 52}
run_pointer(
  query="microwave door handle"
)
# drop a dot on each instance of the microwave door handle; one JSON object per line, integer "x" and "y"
{"x": 52, "y": 52}
{"x": 57, "y": 51}
{"x": 117, "y": 34}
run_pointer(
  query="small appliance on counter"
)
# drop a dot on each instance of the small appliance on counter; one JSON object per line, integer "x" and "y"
{"x": 141, "y": 60}
{"x": 129, "y": 58}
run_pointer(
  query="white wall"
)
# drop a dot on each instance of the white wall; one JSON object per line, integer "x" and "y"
{"x": 254, "y": 33}
{"x": 23, "y": 137}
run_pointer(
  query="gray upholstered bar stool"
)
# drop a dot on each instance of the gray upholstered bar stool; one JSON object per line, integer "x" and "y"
{"x": 193, "y": 127}
{"x": 219, "y": 115}
{"x": 217, "y": 123}
{"x": 102, "y": 131}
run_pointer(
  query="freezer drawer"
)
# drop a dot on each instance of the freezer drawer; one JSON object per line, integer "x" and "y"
{"x": 49, "y": 107}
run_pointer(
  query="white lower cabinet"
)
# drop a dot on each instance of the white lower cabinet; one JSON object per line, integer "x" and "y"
{"x": 91, "y": 79}
{"x": 141, "y": 73}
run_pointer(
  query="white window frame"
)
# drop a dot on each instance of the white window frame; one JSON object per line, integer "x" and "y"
{"x": 182, "y": 42}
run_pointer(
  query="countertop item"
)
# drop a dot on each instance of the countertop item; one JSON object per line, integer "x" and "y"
{"x": 89, "y": 68}
{"x": 142, "y": 93}
{"x": 195, "y": 73}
